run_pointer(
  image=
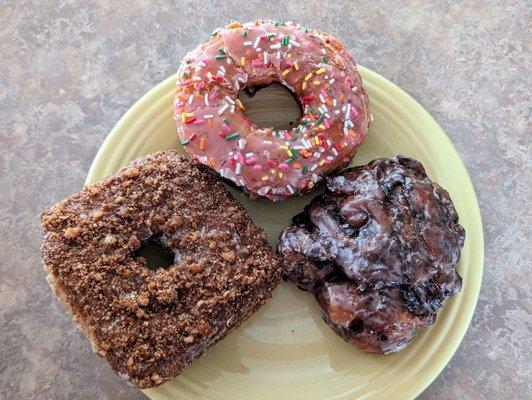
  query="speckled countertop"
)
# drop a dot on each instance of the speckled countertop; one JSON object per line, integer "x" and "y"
{"x": 70, "y": 69}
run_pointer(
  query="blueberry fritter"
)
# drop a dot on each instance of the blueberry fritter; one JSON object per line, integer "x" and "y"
{"x": 379, "y": 250}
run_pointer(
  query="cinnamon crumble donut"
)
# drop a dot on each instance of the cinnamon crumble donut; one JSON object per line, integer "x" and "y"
{"x": 150, "y": 323}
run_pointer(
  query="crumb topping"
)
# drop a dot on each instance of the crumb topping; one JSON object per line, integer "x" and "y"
{"x": 150, "y": 324}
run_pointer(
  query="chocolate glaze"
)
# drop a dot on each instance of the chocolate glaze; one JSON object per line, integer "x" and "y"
{"x": 379, "y": 250}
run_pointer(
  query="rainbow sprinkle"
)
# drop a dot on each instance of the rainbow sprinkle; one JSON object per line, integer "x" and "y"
{"x": 290, "y": 159}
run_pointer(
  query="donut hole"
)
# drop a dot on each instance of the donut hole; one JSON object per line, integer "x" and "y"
{"x": 272, "y": 106}
{"x": 154, "y": 253}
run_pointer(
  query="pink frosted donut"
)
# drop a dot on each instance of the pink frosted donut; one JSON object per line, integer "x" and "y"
{"x": 276, "y": 164}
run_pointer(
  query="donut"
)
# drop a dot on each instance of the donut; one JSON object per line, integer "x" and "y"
{"x": 379, "y": 250}
{"x": 265, "y": 162}
{"x": 150, "y": 322}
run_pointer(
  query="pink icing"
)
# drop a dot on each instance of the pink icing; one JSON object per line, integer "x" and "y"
{"x": 272, "y": 164}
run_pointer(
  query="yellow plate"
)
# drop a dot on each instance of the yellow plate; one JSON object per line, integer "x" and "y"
{"x": 286, "y": 351}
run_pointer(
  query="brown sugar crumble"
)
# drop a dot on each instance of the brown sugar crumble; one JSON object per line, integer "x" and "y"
{"x": 151, "y": 323}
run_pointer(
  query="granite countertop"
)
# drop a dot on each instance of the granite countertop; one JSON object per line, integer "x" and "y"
{"x": 70, "y": 69}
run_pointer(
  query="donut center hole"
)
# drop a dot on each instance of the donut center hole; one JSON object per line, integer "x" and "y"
{"x": 272, "y": 106}
{"x": 155, "y": 253}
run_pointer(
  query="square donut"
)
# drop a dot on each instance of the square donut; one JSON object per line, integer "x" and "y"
{"x": 150, "y": 322}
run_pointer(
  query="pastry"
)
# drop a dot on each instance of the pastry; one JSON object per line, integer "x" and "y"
{"x": 151, "y": 321}
{"x": 276, "y": 164}
{"x": 379, "y": 250}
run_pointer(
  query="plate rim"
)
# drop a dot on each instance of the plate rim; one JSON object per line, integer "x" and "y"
{"x": 151, "y": 95}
